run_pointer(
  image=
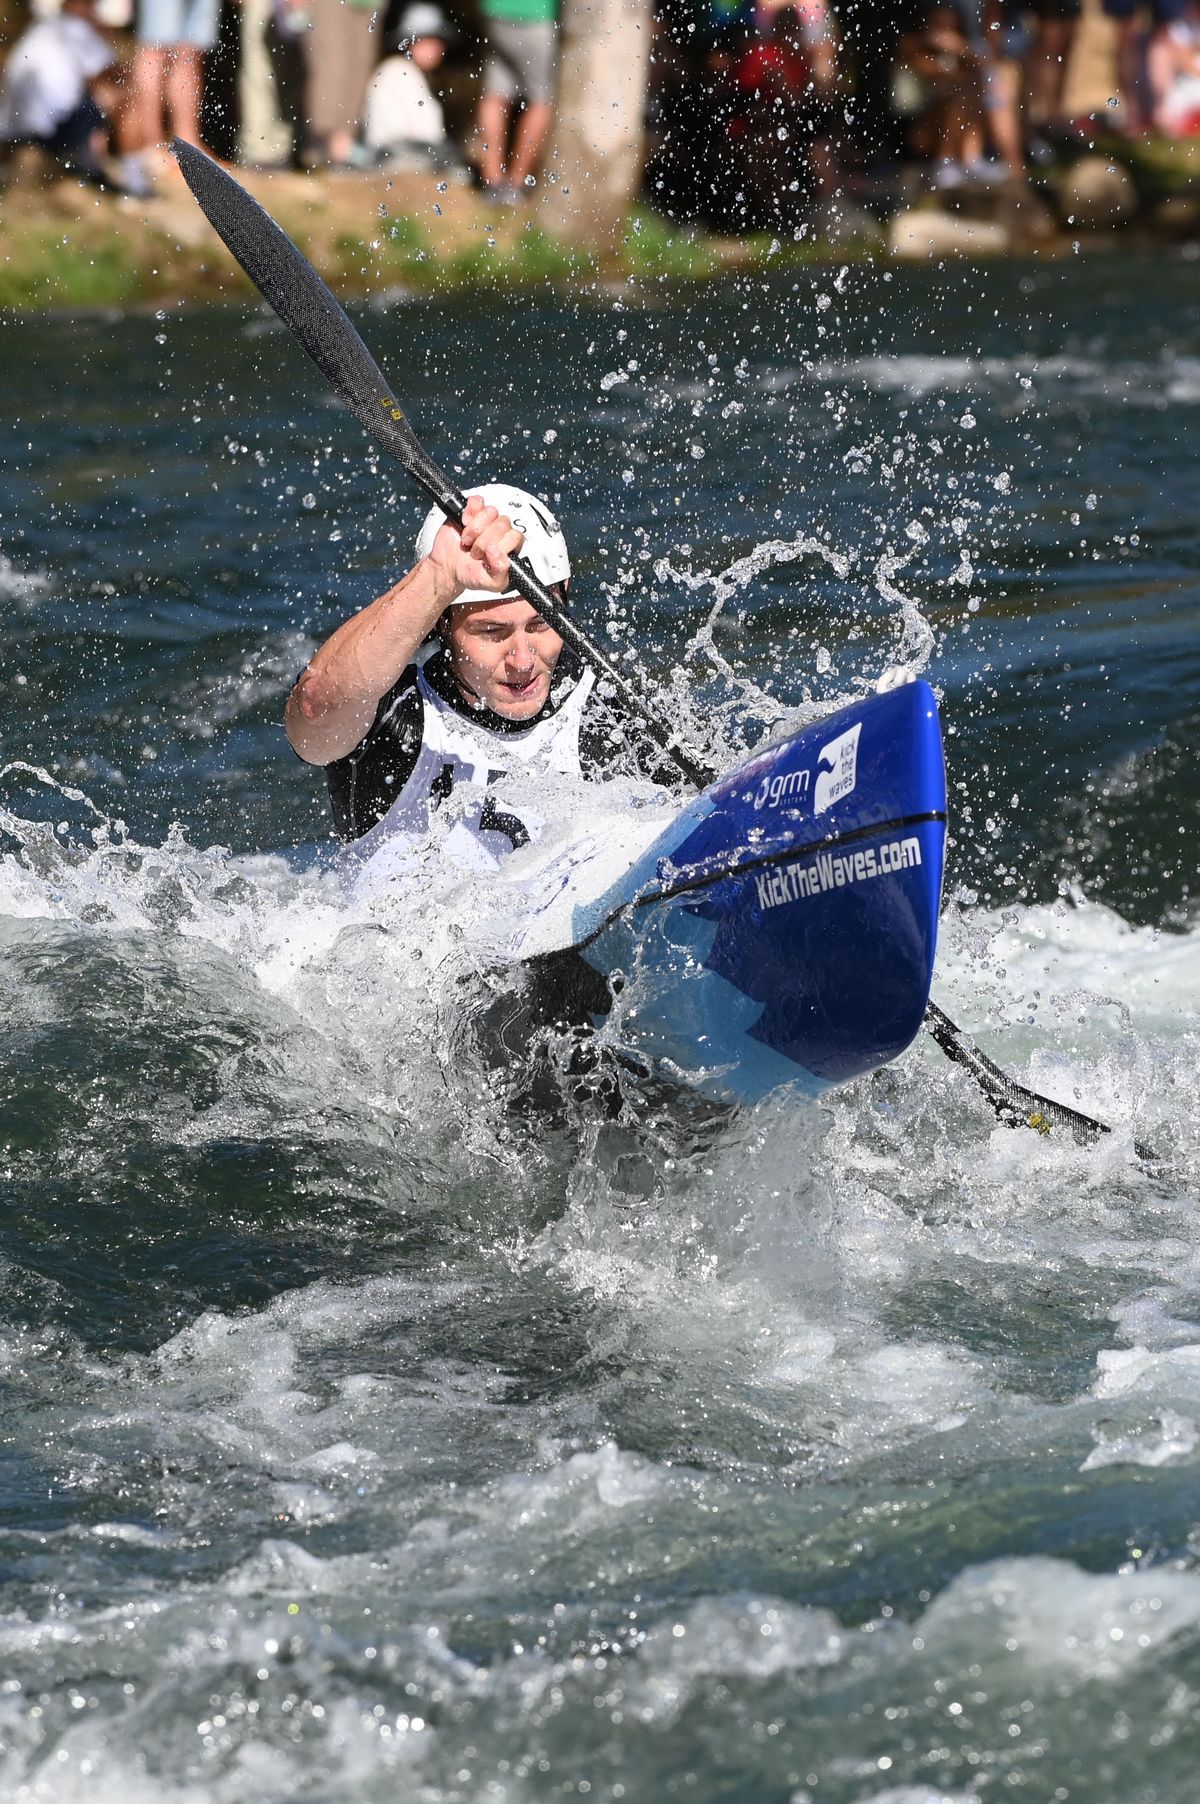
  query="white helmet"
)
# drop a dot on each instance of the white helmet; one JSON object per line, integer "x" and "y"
{"x": 544, "y": 550}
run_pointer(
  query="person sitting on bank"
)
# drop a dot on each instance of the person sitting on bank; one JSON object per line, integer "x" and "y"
{"x": 51, "y": 94}
{"x": 500, "y": 692}
{"x": 403, "y": 124}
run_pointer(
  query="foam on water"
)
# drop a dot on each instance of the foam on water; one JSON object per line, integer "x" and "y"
{"x": 1172, "y": 377}
{"x": 23, "y": 588}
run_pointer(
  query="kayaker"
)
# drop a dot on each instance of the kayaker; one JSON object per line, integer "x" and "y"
{"x": 500, "y": 691}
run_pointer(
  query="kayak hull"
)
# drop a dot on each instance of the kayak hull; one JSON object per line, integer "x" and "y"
{"x": 782, "y": 929}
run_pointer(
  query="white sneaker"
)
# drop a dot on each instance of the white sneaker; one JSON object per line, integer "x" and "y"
{"x": 134, "y": 177}
{"x": 985, "y": 172}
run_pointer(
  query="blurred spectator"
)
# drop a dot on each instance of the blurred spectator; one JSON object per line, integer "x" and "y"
{"x": 869, "y": 31}
{"x": 403, "y": 124}
{"x": 1053, "y": 29}
{"x": 341, "y": 50}
{"x": 938, "y": 89}
{"x": 1139, "y": 55}
{"x": 168, "y": 76}
{"x": 783, "y": 124}
{"x": 270, "y": 80}
{"x": 50, "y": 95}
{"x": 692, "y": 102}
{"x": 522, "y": 49}
{"x": 997, "y": 37}
{"x": 254, "y": 84}
{"x": 744, "y": 118}
{"x": 809, "y": 26}
{"x": 1174, "y": 72}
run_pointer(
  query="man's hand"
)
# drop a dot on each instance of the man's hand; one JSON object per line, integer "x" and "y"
{"x": 477, "y": 556}
{"x": 334, "y": 702}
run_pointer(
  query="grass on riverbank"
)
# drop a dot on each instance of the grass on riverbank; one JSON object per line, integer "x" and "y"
{"x": 64, "y": 246}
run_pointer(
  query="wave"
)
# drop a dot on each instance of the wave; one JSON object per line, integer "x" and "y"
{"x": 25, "y": 588}
{"x": 1172, "y": 378}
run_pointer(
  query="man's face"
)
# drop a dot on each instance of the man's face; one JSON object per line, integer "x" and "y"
{"x": 503, "y": 655}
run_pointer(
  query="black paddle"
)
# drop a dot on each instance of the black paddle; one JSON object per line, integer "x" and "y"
{"x": 289, "y": 283}
{"x": 1013, "y": 1103}
{"x": 287, "y": 280}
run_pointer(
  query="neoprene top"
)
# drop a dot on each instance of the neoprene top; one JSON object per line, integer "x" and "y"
{"x": 364, "y": 784}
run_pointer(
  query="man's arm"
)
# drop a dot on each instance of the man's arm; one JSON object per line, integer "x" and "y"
{"x": 333, "y": 704}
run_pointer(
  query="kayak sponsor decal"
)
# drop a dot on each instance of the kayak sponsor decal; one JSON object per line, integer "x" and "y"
{"x": 837, "y": 769}
{"x": 786, "y": 786}
{"x": 834, "y": 870}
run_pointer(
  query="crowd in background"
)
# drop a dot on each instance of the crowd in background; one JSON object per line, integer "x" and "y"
{"x": 759, "y": 112}
{"x": 775, "y": 110}
{"x": 102, "y": 85}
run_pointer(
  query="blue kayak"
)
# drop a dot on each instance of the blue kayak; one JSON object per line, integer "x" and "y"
{"x": 782, "y": 928}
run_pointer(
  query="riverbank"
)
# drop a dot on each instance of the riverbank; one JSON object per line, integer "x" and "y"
{"x": 63, "y": 245}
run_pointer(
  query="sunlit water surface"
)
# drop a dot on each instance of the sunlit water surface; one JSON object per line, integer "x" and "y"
{"x": 379, "y": 1424}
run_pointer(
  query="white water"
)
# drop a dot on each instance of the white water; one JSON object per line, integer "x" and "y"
{"x": 364, "y": 1436}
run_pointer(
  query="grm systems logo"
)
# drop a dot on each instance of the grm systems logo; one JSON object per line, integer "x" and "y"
{"x": 782, "y": 788}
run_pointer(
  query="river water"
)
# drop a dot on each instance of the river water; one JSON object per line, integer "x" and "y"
{"x": 369, "y": 1433}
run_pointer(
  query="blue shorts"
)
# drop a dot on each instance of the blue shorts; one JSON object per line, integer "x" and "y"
{"x": 1163, "y": 12}
{"x": 191, "y": 22}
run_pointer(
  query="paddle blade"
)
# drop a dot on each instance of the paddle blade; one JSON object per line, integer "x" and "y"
{"x": 289, "y": 283}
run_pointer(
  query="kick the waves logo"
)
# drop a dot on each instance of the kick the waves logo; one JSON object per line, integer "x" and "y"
{"x": 837, "y": 774}
{"x": 833, "y": 870}
{"x": 837, "y": 768}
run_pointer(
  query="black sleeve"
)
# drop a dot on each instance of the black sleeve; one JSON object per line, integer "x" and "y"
{"x": 612, "y": 743}
{"x": 364, "y": 784}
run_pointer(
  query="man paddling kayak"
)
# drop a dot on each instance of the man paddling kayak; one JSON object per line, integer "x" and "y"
{"x": 500, "y": 692}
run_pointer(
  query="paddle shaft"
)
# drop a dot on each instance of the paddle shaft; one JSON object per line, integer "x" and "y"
{"x": 291, "y": 286}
